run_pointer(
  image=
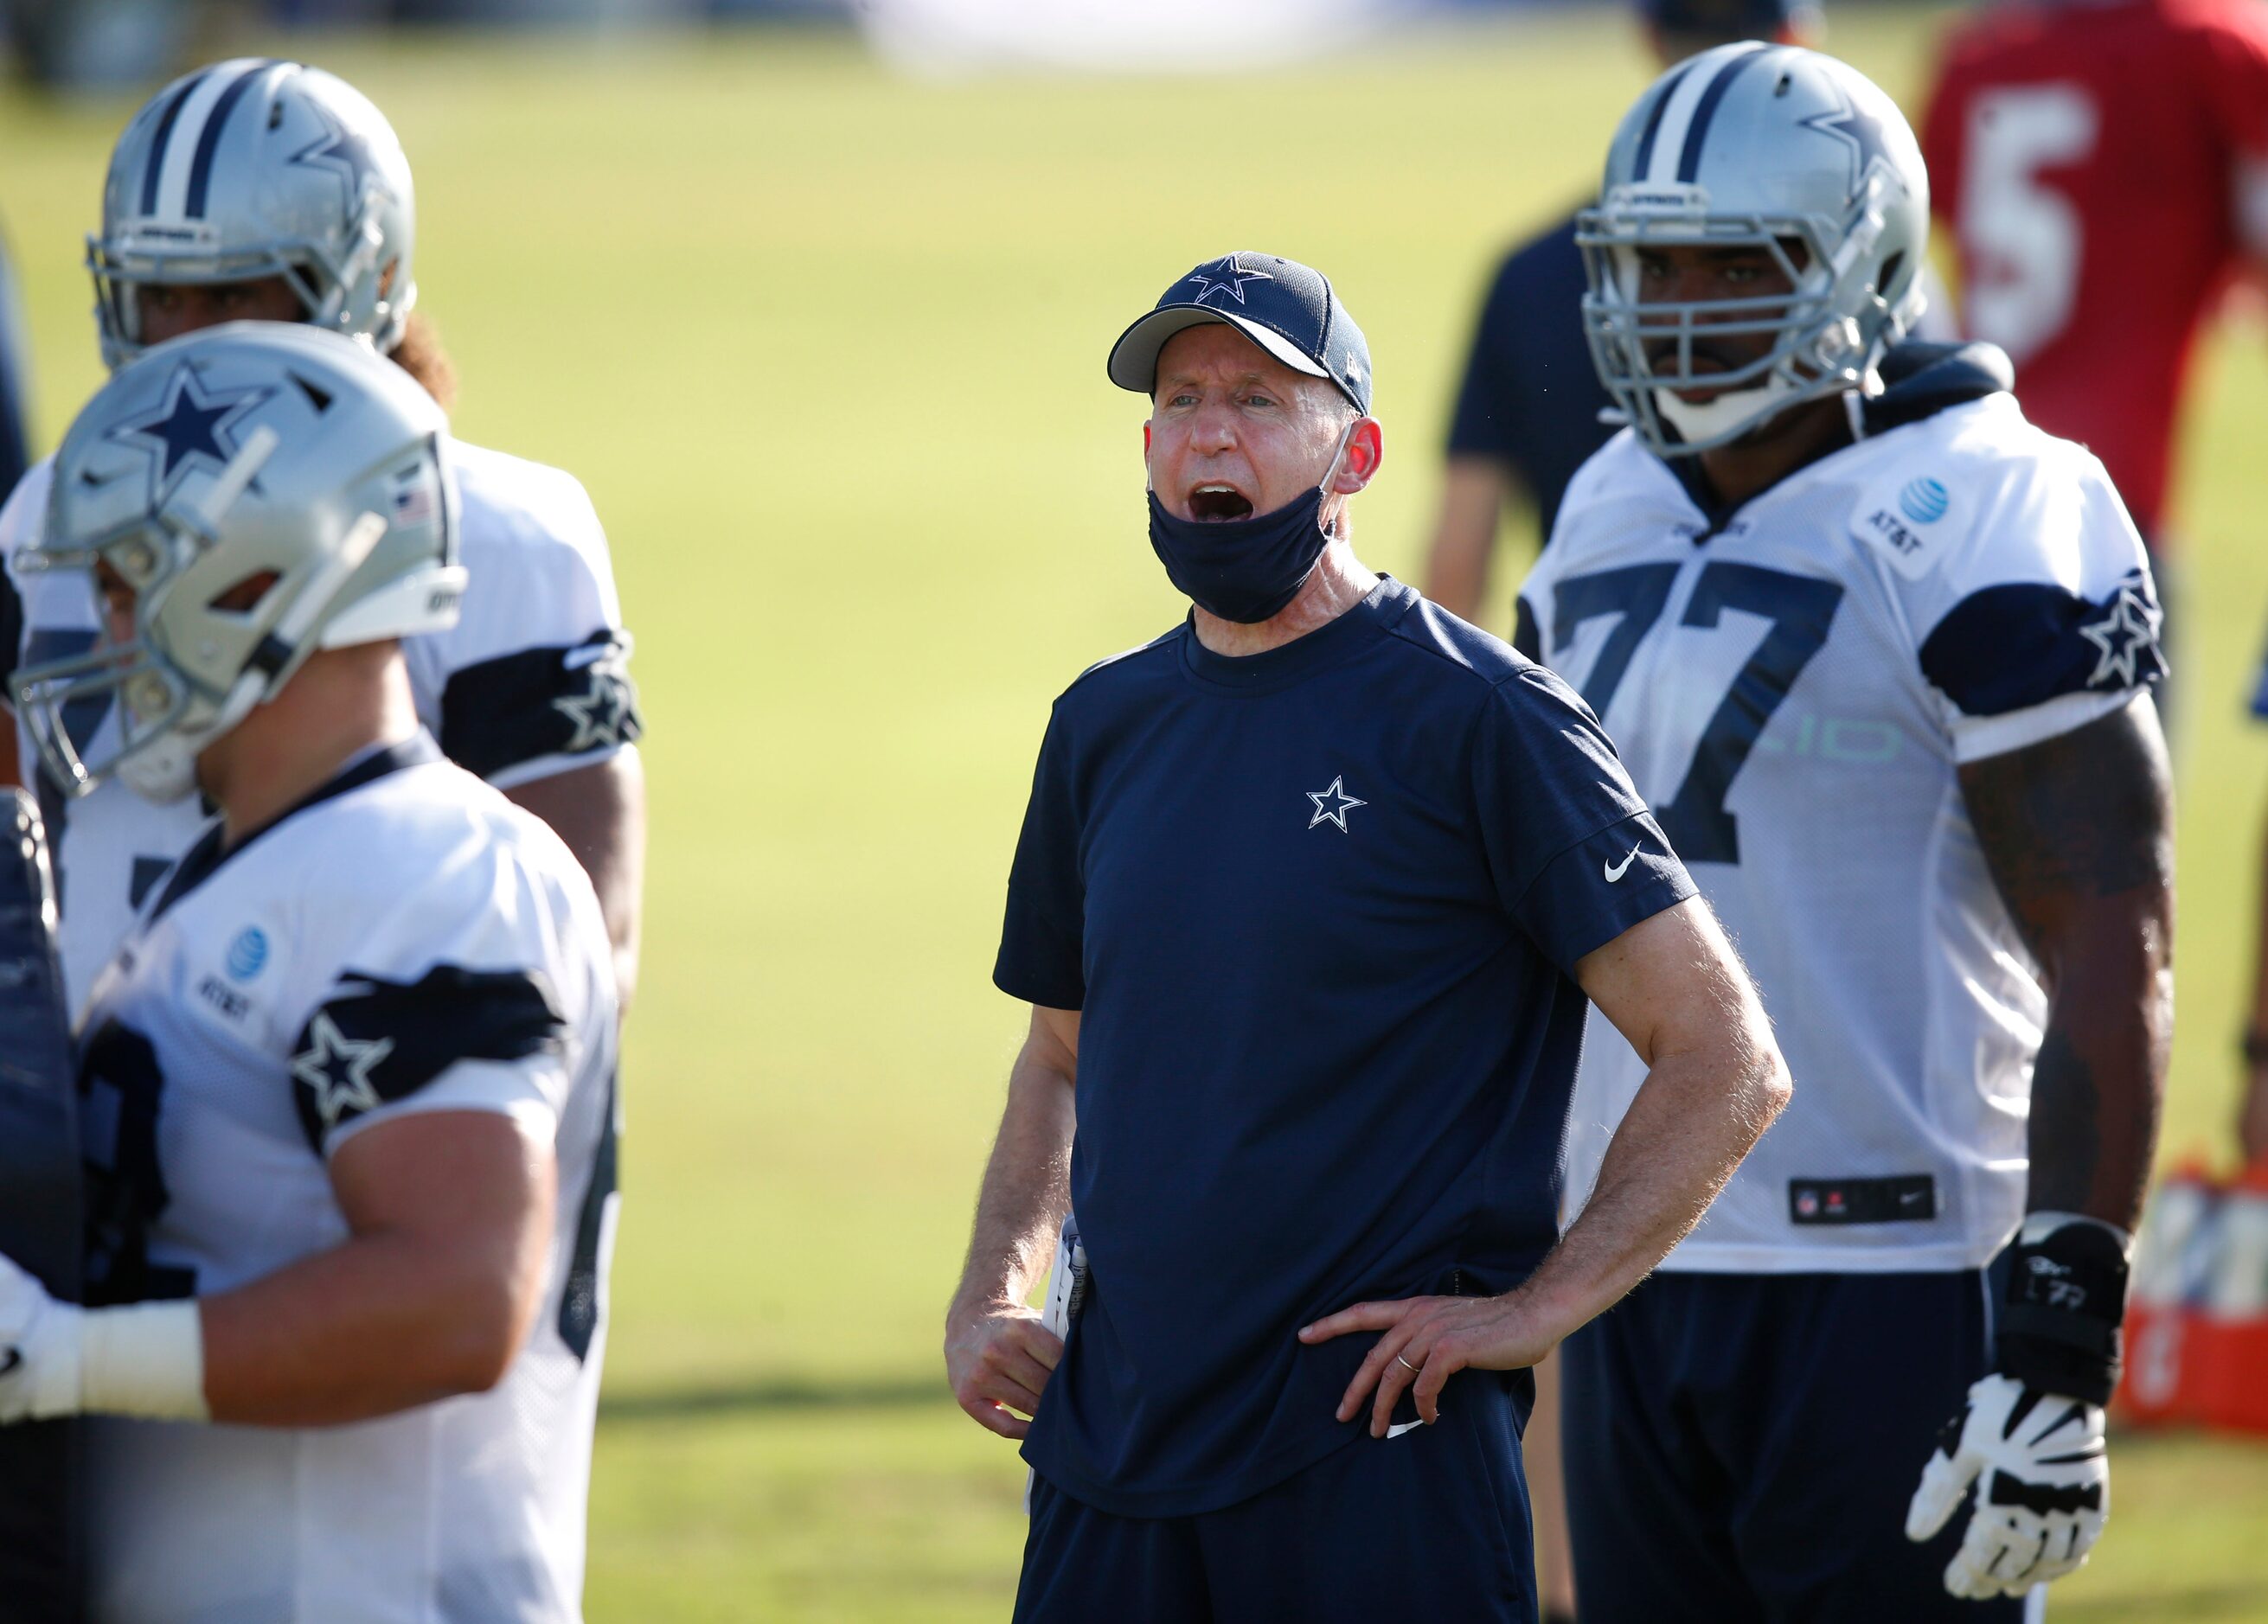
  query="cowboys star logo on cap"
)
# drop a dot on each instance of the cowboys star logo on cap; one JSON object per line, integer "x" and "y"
{"x": 1288, "y": 309}
{"x": 192, "y": 427}
{"x": 1226, "y": 275}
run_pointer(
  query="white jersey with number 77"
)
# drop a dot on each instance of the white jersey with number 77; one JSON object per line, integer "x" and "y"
{"x": 1793, "y": 693}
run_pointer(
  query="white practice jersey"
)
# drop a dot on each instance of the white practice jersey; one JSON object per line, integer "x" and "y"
{"x": 406, "y": 940}
{"x": 1793, "y": 695}
{"x": 532, "y": 681}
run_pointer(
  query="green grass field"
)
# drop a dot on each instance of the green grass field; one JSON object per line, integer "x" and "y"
{"x": 827, "y": 347}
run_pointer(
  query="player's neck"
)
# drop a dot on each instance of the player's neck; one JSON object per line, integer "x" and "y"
{"x": 335, "y": 706}
{"x": 1339, "y": 582}
{"x": 1803, "y": 435}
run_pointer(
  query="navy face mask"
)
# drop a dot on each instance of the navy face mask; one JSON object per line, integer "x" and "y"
{"x": 1245, "y": 569}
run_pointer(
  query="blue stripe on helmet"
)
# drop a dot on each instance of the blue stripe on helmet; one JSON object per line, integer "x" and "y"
{"x": 1689, "y": 162}
{"x": 201, "y": 165}
{"x": 165, "y": 133}
{"x": 1653, "y": 122}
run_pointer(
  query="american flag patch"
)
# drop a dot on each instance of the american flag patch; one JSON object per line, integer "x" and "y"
{"x": 414, "y": 505}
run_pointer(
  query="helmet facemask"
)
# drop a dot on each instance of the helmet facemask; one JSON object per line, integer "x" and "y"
{"x": 1818, "y": 349}
{"x": 343, "y": 293}
{"x": 319, "y": 513}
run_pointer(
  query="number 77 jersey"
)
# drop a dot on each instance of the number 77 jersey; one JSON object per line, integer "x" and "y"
{"x": 1793, "y": 689}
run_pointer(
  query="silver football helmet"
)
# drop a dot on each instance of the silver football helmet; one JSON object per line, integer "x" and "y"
{"x": 255, "y": 168}
{"x": 249, "y": 453}
{"x": 1765, "y": 146}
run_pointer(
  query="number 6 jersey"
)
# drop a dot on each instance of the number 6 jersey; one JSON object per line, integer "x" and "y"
{"x": 1792, "y": 688}
{"x": 404, "y": 940}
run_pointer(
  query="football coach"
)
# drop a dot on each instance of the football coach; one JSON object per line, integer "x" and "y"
{"x": 1309, "y": 899}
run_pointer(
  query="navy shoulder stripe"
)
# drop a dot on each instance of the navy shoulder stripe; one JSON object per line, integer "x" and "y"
{"x": 538, "y": 702}
{"x": 2021, "y": 644}
{"x": 376, "y": 1040}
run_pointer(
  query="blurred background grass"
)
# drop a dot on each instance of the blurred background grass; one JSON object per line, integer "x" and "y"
{"x": 827, "y": 344}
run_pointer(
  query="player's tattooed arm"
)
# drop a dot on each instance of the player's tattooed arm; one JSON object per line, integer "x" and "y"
{"x": 2078, "y": 833}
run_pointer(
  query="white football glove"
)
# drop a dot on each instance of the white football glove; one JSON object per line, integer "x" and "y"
{"x": 2042, "y": 1488}
{"x": 40, "y": 1344}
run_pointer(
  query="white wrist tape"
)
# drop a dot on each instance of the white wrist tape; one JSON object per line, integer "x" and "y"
{"x": 147, "y": 1359}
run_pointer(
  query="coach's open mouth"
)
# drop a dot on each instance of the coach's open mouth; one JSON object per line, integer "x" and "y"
{"x": 1216, "y": 500}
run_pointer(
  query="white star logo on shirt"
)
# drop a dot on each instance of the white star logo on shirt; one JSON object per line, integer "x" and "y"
{"x": 598, "y": 712}
{"x": 2123, "y": 635}
{"x": 1333, "y": 805}
{"x": 337, "y": 1069}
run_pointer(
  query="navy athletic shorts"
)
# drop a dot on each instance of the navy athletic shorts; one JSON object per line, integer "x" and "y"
{"x": 1431, "y": 1525}
{"x": 1744, "y": 1446}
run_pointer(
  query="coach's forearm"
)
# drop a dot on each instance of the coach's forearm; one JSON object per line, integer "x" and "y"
{"x": 1698, "y": 1113}
{"x": 1675, "y": 988}
{"x": 1026, "y": 1187}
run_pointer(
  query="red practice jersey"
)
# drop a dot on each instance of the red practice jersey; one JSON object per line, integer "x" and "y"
{"x": 2089, "y": 158}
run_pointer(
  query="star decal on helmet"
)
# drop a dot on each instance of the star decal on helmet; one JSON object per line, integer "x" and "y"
{"x": 191, "y": 428}
{"x": 1867, "y": 135}
{"x": 1227, "y": 275}
{"x": 347, "y": 153}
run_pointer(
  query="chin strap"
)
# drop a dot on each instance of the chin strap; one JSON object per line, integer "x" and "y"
{"x": 2061, "y": 1330}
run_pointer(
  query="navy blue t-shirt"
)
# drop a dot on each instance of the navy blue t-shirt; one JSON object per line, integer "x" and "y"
{"x": 1319, "y": 908}
{"x": 1531, "y": 398}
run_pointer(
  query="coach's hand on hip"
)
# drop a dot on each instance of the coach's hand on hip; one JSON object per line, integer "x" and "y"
{"x": 1672, "y": 986}
{"x": 1428, "y": 1339}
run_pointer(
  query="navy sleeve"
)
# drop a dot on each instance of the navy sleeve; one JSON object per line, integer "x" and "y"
{"x": 520, "y": 708}
{"x": 375, "y": 1041}
{"x": 1576, "y": 858}
{"x": 1043, "y": 939}
{"x": 1487, "y": 421}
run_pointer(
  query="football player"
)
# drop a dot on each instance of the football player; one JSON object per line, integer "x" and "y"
{"x": 2104, "y": 168}
{"x": 1527, "y": 411}
{"x": 345, "y": 1299}
{"x": 270, "y": 190}
{"x": 1880, "y": 650}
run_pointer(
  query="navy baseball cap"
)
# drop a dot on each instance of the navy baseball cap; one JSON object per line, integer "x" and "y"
{"x": 1280, "y": 305}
